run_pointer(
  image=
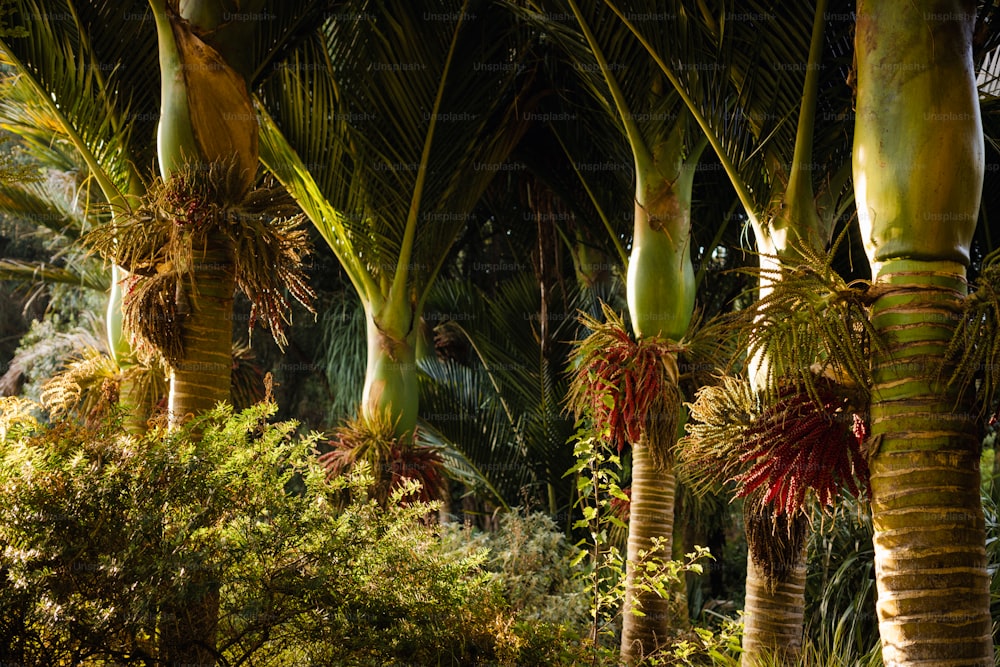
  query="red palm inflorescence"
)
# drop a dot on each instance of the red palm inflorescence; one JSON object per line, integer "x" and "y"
{"x": 393, "y": 459}
{"x": 621, "y": 383}
{"x": 797, "y": 444}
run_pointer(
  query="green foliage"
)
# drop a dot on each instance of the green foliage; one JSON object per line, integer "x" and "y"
{"x": 533, "y": 561}
{"x": 598, "y": 474}
{"x": 974, "y": 350}
{"x": 496, "y": 395}
{"x": 810, "y": 324}
{"x": 100, "y": 531}
{"x": 840, "y": 584}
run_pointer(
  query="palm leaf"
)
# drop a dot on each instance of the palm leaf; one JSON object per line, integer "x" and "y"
{"x": 503, "y": 405}
{"x": 411, "y": 119}
{"x": 86, "y": 80}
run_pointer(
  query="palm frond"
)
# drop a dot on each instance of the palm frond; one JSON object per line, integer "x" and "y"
{"x": 464, "y": 411}
{"x": 811, "y": 324}
{"x": 974, "y": 350}
{"x": 41, "y": 272}
{"x": 341, "y": 353}
{"x": 86, "y": 80}
{"x": 88, "y": 385}
{"x": 389, "y": 129}
{"x": 500, "y": 402}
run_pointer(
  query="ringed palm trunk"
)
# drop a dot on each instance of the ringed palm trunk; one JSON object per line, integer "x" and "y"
{"x": 773, "y": 615}
{"x": 206, "y": 120}
{"x": 660, "y": 291}
{"x": 202, "y": 379}
{"x": 651, "y": 516}
{"x": 918, "y": 169}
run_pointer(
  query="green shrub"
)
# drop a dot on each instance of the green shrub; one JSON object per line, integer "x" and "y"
{"x": 101, "y": 532}
{"x": 532, "y": 561}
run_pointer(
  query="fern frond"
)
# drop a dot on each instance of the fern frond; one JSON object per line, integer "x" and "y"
{"x": 88, "y": 385}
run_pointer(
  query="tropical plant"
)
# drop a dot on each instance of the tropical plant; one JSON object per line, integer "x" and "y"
{"x": 660, "y": 285}
{"x": 101, "y": 529}
{"x": 386, "y": 133}
{"x": 501, "y": 403}
{"x": 774, "y": 166}
{"x": 72, "y": 62}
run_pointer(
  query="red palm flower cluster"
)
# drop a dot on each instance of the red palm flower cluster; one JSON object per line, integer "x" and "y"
{"x": 393, "y": 459}
{"x": 620, "y": 383}
{"x": 798, "y": 444}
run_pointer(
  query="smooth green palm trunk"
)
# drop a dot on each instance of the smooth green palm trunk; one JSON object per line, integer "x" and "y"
{"x": 390, "y": 388}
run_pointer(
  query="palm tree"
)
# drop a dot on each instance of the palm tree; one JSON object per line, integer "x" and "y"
{"x": 87, "y": 71}
{"x": 660, "y": 285}
{"x": 772, "y": 165}
{"x": 387, "y": 127}
{"x": 918, "y": 173}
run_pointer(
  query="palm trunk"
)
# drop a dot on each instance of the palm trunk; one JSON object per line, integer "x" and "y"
{"x": 773, "y": 613}
{"x": 651, "y": 515}
{"x": 660, "y": 292}
{"x": 918, "y": 169}
{"x": 206, "y": 119}
{"x": 930, "y": 558}
{"x": 203, "y": 378}
{"x": 390, "y": 388}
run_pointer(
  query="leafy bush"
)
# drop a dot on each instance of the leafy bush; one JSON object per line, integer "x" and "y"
{"x": 101, "y": 532}
{"x": 531, "y": 560}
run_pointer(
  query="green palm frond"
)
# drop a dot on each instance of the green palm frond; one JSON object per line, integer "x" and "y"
{"x": 382, "y": 128}
{"x": 94, "y": 89}
{"x": 810, "y": 324}
{"x": 974, "y": 350}
{"x": 741, "y": 68}
{"x": 88, "y": 385}
{"x": 341, "y": 353}
{"x": 459, "y": 467}
{"x": 462, "y": 406}
{"x": 41, "y": 272}
{"x": 37, "y": 202}
{"x": 502, "y": 406}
